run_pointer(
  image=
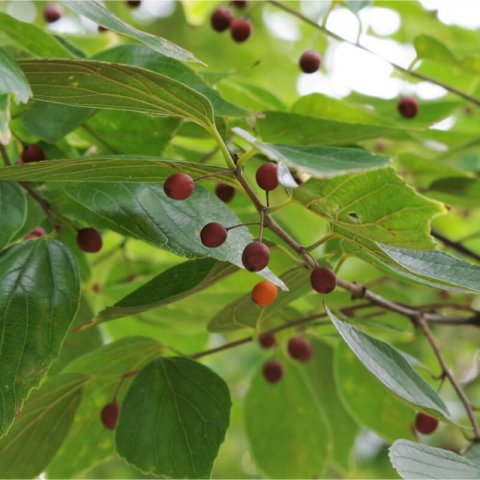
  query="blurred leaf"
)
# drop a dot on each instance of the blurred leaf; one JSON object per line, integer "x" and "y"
{"x": 431, "y": 48}
{"x": 13, "y": 211}
{"x": 12, "y": 80}
{"x": 456, "y": 191}
{"x": 249, "y": 96}
{"x": 5, "y": 133}
{"x": 357, "y": 5}
{"x": 196, "y": 11}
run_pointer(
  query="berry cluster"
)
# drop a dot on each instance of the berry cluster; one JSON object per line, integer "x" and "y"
{"x": 223, "y": 19}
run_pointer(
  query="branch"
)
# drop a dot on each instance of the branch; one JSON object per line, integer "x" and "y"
{"x": 459, "y": 247}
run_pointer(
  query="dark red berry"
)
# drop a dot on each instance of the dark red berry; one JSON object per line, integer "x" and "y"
{"x": 255, "y": 256}
{"x": 89, "y": 240}
{"x": 407, "y": 107}
{"x": 224, "y": 192}
{"x": 266, "y": 176}
{"x": 35, "y": 233}
{"x": 425, "y": 424}
{"x": 32, "y": 153}
{"x": 52, "y": 13}
{"x": 323, "y": 280}
{"x": 213, "y": 234}
{"x": 300, "y": 349}
{"x": 267, "y": 340}
{"x": 240, "y": 29}
{"x": 239, "y": 3}
{"x": 109, "y": 415}
{"x": 221, "y": 19}
{"x": 134, "y": 3}
{"x": 272, "y": 371}
{"x": 179, "y": 186}
{"x": 310, "y": 61}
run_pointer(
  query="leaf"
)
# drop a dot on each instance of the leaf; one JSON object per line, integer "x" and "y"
{"x": 357, "y": 5}
{"x": 13, "y": 211}
{"x": 39, "y": 295}
{"x": 456, "y": 191}
{"x": 85, "y": 83}
{"x": 12, "y": 80}
{"x": 96, "y": 11}
{"x": 174, "y": 419}
{"x": 286, "y": 425}
{"x": 432, "y": 49}
{"x": 32, "y": 38}
{"x": 41, "y": 428}
{"x": 391, "y": 368}
{"x": 414, "y": 461}
{"x": 5, "y": 133}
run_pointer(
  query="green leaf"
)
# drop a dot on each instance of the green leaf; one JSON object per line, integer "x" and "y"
{"x": 5, "y": 133}
{"x": 85, "y": 83}
{"x": 41, "y": 428}
{"x": 414, "y": 461}
{"x": 357, "y": 5}
{"x": 12, "y": 79}
{"x": 174, "y": 419}
{"x": 13, "y": 211}
{"x": 286, "y": 426}
{"x": 250, "y": 96}
{"x": 391, "y": 368}
{"x": 430, "y": 48}
{"x": 96, "y": 11}
{"x": 39, "y": 285}
{"x": 456, "y": 191}
{"x": 32, "y": 38}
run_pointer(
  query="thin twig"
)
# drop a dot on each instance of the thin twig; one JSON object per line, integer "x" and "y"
{"x": 459, "y": 247}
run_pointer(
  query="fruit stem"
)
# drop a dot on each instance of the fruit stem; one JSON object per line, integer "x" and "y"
{"x": 280, "y": 206}
{"x": 246, "y": 156}
{"x": 324, "y": 239}
{"x": 221, "y": 144}
{"x": 242, "y": 225}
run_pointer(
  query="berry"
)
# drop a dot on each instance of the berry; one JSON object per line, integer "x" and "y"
{"x": 272, "y": 371}
{"x": 179, "y": 186}
{"x": 309, "y": 61}
{"x": 109, "y": 415}
{"x": 32, "y": 153}
{"x": 407, "y": 107}
{"x": 35, "y": 233}
{"x": 266, "y": 176}
{"x": 264, "y": 293}
{"x": 425, "y": 423}
{"x": 89, "y": 240}
{"x": 300, "y": 349}
{"x": 224, "y": 192}
{"x": 255, "y": 256}
{"x": 240, "y": 29}
{"x": 213, "y": 234}
{"x": 267, "y": 340}
{"x": 239, "y": 3}
{"x": 134, "y": 3}
{"x": 221, "y": 19}
{"x": 52, "y": 13}
{"x": 323, "y": 280}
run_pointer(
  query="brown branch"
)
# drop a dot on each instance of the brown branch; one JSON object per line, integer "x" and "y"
{"x": 459, "y": 247}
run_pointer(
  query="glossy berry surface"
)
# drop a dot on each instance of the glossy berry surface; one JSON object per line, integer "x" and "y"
{"x": 323, "y": 280}
{"x": 109, "y": 415}
{"x": 255, "y": 256}
{"x": 300, "y": 349}
{"x": 240, "y": 29}
{"x": 221, "y": 19}
{"x": 273, "y": 371}
{"x": 89, "y": 240}
{"x": 52, "y": 13}
{"x": 267, "y": 340}
{"x": 310, "y": 61}
{"x": 179, "y": 186}
{"x": 224, "y": 192}
{"x": 32, "y": 153}
{"x": 407, "y": 107}
{"x": 134, "y": 3}
{"x": 266, "y": 176}
{"x": 213, "y": 235}
{"x": 425, "y": 424}
{"x": 264, "y": 293}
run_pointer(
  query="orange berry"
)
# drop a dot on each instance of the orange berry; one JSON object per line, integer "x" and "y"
{"x": 264, "y": 293}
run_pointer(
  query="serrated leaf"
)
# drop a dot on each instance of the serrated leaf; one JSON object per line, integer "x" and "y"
{"x": 415, "y": 461}
{"x": 391, "y": 368}
{"x": 39, "y": 285}
{"x": 192, "y": 405}
{"x": 12, "y": 79}
{"x": 13, "y": 211}
{"x": 98, "y": 13}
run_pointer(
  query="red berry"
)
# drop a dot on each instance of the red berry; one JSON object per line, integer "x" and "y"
{"x": 213, "y": 234}
{"x": 266, "y": 176}
{"x": 267, "y": 340}
{"x": 310, "y": 61}
{"x": 240, "y": 29}
{"x": 272, "y": 371}
{"x": 323, "y": 280}
{"x": 134, "y": 3}
{"x": 264, "y": 293}
{"x": 179, "y": 186}
{"x": 239, "y": 3}
{"x": 425, "y": 423}
{"x": 224, "y": 192}
{"x": 300, "y": 349}
{"x": 255, "y": 256}
{"x": 52, "y": 13}
{"x": 221, "y": 19}
{"x": 109, "y": 415}
{"x": 407, "y": 107}
{"x": 89, "y": 240}
{"x": 32, "y": 153}
{"x": 35, "y": 233}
